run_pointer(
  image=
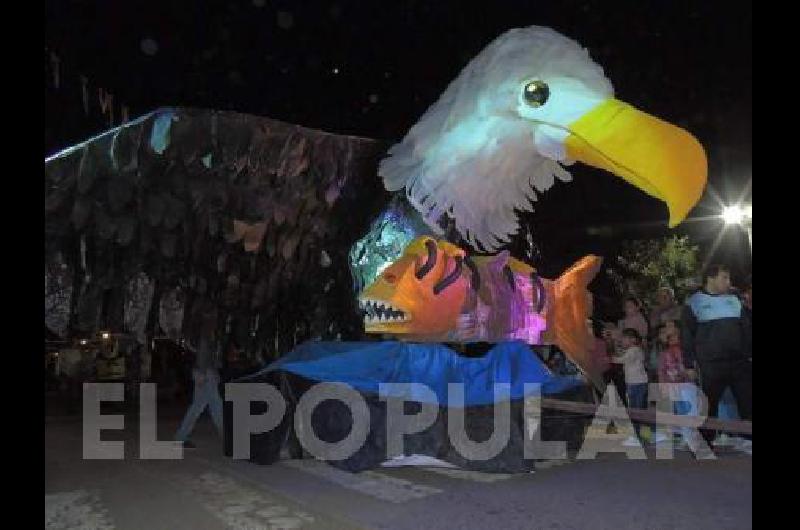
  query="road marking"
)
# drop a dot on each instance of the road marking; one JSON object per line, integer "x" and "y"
{"x": 546, "y": 464}
{"x": 241, "y": 507}
{"x": 75, "y": 509}
{"x": 465, "y": 474}
{"x": 372, "y": 483}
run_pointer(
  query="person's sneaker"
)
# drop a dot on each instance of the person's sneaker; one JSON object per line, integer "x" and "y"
{"x": 660, "y": 437}
{"x": 746, "y": 446}
{"x": 632, "y": 441}
{"x": 701, "y": 450}
{"x": 736, "y": 442}
{"x": 722, "y": 440}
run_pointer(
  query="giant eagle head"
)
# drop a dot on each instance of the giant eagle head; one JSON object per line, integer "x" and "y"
{"x": 530, "y": 103}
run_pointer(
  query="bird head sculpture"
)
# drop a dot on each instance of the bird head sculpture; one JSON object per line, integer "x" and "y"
{"x": 530, "y": 103}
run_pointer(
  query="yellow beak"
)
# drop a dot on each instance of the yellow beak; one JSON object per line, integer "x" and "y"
{"x": 655, "y": 156}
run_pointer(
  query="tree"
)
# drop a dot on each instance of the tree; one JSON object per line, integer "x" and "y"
{"x": 643, "y": 266}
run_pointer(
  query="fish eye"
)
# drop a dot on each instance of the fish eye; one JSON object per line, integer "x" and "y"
{"x": 536, "y": 93}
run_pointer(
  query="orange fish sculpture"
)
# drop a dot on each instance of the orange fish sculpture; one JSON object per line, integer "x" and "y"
{"x": 435, "y": 292}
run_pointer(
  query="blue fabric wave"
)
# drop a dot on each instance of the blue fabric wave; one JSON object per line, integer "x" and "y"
{"x": 369, "y": 366}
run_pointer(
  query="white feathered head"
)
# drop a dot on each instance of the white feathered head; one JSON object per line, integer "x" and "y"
{"x": 531, "y": 101}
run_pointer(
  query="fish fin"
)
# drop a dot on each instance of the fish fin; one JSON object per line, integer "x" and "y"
{"x": 571, "y": 307}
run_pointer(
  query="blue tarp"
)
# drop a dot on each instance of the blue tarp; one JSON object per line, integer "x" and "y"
{"x": 366, "y": 365}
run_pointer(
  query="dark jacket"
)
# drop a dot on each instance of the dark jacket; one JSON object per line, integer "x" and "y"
{"x": 715, "y": 328}
{"x": 205, "y": 355}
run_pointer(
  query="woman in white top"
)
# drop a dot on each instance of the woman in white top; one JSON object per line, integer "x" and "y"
{"x": 632, "y": 360}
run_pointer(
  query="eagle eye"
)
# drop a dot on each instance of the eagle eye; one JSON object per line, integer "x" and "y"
{"x": 536, "y": 93}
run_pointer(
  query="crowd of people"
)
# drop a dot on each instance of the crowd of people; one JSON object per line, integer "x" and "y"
{"x": 704, "y": 342}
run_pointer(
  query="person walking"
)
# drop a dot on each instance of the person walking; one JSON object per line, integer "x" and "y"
{"x": 206, "y": 391}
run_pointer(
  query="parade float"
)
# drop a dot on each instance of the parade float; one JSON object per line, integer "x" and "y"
{"x": 287, "y": 239}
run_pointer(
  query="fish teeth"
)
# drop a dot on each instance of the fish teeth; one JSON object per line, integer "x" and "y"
{"x": 381, "y": 311}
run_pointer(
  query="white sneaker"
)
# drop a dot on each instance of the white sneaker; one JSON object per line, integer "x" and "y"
{"x": 632, "y": 441}
{"x": 661, "y": 437}
{"x": 722, "y": 440}
{"x": 746, "y": 446}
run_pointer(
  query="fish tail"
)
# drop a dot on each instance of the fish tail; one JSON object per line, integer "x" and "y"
{"x": 572, "y": 306}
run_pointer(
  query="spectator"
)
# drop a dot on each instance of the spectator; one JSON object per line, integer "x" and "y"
{"x": 666, "y": 309}
{"x": 717, "y": 341}
{"x": 658, "y": 342}
{"x": 676, "y": 381}
{"x": 206, "y": 391}
{"x": 636, "y": 381}
{"x": 633, "y": 319}
{"x": 601, "y": 356}
{"x": 615, "y": 374}
{"x": 666, "y": 333}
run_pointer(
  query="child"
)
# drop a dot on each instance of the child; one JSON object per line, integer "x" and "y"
{"x": 634, "y": 319}
{"x": 636, "y": 381}
{"x": 671, "y": 371}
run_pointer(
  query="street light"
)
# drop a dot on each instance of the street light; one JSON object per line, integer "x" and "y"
{"x": 733, "y": 215}
{"x": 738, "y": 214}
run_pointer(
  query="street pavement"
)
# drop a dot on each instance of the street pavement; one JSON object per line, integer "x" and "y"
{"x": 206, "y": 490}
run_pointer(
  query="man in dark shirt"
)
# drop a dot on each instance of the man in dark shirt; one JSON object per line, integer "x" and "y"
{"x": 717, "y": 343}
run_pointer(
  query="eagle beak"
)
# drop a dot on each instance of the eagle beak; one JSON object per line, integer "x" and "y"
{"x": 655, "y": 156}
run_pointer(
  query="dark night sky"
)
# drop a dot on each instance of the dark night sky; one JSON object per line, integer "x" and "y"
{"x": 688, "y": 62}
